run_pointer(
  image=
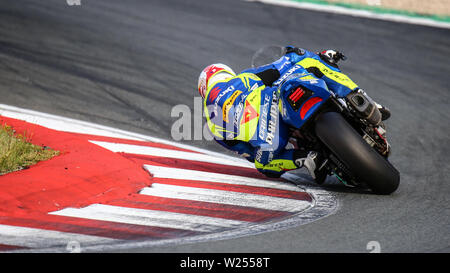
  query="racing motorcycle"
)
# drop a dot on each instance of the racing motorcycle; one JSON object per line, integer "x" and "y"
{"x": 348, "y": 131}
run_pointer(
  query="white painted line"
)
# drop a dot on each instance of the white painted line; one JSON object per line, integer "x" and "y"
{"x": 175, "y": 173}
{"x": 356, "y": 12}
{"x": 41, "y": 238}
{"x": 160, "y": 152}
{"x": 226, "y": 197}
{"x": 150, "y": 218}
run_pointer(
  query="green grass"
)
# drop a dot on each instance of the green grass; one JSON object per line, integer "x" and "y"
{"x": 17, "y": 153}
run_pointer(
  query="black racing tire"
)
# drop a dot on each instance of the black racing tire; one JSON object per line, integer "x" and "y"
{"x": 367, "y": 165}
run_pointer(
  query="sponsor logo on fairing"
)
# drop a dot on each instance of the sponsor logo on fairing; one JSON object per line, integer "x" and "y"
{"x": 289, "y": 72}
{"x": 311, "y": 79}
{"x": 285, "y": 61}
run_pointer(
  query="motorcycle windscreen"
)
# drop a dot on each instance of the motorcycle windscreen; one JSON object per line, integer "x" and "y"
{"x": 266, "y": 55}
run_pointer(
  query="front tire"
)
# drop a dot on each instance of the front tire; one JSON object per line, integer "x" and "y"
{"x": 362, "y": 160}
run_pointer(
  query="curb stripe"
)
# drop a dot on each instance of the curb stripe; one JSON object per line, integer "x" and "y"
{"x": 196, "y": 166}
{"x": 93, "y": 227}
{"x": 9, "y": 247}
{"x": 150, "y": 218}
{"x": 133, "y": 142}
{"x": 175, "y": 173}
{"x": 199, "y": 208}
{"x": 151, "y": 151}
{"x": 40, "y": 238}
{"x": 236, "y": 188}
{"x": 226, "y": 197}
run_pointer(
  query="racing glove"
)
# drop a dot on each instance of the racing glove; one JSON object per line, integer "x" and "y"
{"x": 385, "y": 112}
{"x": 332, "y": 57}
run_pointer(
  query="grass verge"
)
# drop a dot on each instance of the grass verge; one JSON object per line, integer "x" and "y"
{"x": 17, "y": 153}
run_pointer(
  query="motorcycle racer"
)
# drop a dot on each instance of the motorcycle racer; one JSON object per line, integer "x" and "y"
{"x": 243, "y": 110}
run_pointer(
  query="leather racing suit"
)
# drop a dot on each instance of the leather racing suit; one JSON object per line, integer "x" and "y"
{"x": 243, "y": 112}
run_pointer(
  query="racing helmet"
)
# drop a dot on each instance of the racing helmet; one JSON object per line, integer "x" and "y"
{"x": 211, "y": 75}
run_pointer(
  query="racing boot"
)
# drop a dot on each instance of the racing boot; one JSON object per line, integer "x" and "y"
{"x": 314, "y": 163}
{"x": 385, "y": 112}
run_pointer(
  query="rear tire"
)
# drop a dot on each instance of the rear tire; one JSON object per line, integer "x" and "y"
{"x": 362, "y": 160}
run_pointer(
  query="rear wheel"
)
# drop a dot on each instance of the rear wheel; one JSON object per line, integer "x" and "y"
{"x": 363, "y": 162}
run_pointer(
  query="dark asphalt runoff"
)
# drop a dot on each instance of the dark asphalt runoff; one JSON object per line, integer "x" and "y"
{"x": 126, "y": 64}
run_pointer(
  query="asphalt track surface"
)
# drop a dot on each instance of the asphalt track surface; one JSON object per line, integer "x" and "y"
{"x": 126, "y": 64}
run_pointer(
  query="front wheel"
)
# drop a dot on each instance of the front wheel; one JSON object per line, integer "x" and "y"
{"x": 362, "y": 160}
